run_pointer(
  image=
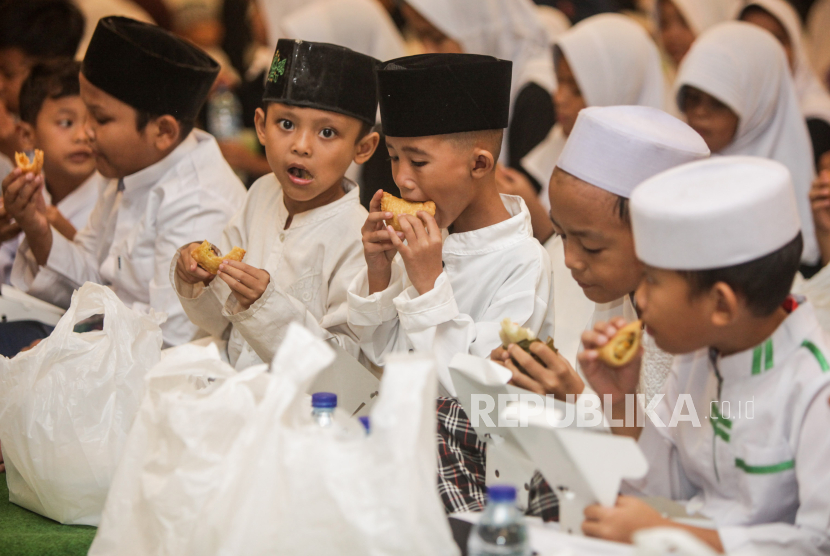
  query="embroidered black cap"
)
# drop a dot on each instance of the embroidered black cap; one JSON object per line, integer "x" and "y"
{"x": 148, "y": 68}
{"x": 323, "y": 76}
{"x": 437, "y": 94}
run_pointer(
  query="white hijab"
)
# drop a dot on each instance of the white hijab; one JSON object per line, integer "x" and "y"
{"x": 812, "y": 96}
{"x": 361, "y": 25}
{"x": 615, "y": 63}
{"x": 700, "y": 15}
{"x": 744, "y": 67}
{"x": 506, "y": 29}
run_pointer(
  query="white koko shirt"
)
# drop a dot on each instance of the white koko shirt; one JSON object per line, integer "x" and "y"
{"x": 311, "y": 265}
{"x": 134, "y": 231}
{"x": 489, "y": 274}
{"x": 757, "y": 464}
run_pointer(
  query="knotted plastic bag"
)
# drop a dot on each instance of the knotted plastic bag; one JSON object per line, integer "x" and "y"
{"x": 67, "y": 405}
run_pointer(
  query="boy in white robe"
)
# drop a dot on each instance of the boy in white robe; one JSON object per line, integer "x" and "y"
{"x": 443, "y": 117}
{"x": 741, "y": 433}
{"x": 167, "y": 183}
{"x": 301, "y": 224}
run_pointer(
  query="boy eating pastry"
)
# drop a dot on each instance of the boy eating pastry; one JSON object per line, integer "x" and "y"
{"x": 721, "y": 244}
{"x": 443, "y": 117}
{"x": 143, "y": 88}
{"x": 300, "y": 225}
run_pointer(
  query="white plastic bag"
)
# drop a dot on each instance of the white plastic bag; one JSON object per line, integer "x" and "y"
{"x": 247, "y": 471}
{"x": 67, "y": 405}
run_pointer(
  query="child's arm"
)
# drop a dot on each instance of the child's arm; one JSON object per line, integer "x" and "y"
{"x": 200, "y": 299}
{"x": 631, "y": 515}
{"x": 69, "y": 264}
{"x": 60, "y": 223}
{"x": 820, "y": 204}
{"x": 378, "y": 249}
{"x": 553, "y": 376}
{"x": 620, "y": 383}
{"x": 9, "y": 229}
{"x": 264, "y": 323}
{"x": 23, "y": 200}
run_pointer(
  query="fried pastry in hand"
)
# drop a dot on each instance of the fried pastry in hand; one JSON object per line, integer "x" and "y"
{"x": 390, "y": 203}
{"x": 622, "y": 348}
{"x": 34, "y": 166}
{"x": 208, "y": 260}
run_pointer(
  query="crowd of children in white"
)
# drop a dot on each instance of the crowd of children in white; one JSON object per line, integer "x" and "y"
{"x": 684, "y": 183}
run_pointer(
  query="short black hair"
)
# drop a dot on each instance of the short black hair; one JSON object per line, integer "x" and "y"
{"x": 143, "y": 117}
{"x": 763, "y": 283}
{"x": 41, "y": 28}
{"x": 621, "y": 208}
{"x": 52, "y": 80}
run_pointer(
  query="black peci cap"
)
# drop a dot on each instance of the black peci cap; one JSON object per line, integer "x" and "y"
{"x": 149, "y": 68}
{"x": 437, "y": 94}
{"x": 323, "y": 76}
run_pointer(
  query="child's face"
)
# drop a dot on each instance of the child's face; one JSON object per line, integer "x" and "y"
{"x": 15, "y": 66}
{"x": 679, "y": 321}
{"x": 599, "y": 246}
{"x": 567, "y": 98}
{"x": 310, "y": 150}
{"x": 675, "y": 33}
{"x": 766, "y": 20}
{"x": 711, "y": 118}
{"x": 59, "y": 132}
{"x": 119, "y": 148}
{"x": 434, "y": 169}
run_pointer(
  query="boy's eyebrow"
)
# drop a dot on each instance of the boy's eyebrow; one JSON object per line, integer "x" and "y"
{"x": 577, "y": 233}
{"x": 414, "y": 150}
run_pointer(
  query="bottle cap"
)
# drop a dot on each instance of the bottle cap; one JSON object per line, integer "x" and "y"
{"x": 501, "y": 493}
{"x": 365, "y": 422}
{"x": 323, "y": 400}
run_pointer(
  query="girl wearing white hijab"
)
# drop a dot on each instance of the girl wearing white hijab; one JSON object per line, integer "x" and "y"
{"x": 679, "y": 22}
{"x": 505, "y": 29}
{"x": 735, "y": 88}
{"x": 605, "y": 60}
{"x": 361, "y": 25}
{"x": 779, "y": 18}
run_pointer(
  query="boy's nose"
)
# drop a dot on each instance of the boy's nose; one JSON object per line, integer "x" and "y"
{"x": 572, "y": 261}
{"x": 301, "y": 145}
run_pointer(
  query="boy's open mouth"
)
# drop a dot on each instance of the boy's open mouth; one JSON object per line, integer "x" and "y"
{"x": 300, "y": 174}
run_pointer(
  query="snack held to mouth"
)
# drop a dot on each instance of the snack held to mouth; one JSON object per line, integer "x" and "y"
{"x": 34, "y": 166}
{"x": 622, "y": 348}
{"x": 512, "y": 333}
{"x": 208, "y": 260}
{"x": 390, "y": 203}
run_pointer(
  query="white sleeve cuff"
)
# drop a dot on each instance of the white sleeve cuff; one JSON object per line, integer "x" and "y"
{"x": 419, "y": 312}
{"x": 377, "y": 308}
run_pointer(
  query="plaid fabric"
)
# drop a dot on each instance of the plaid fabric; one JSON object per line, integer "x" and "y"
{"x": 541, "y": 500}
{"x": 461, "y": 459}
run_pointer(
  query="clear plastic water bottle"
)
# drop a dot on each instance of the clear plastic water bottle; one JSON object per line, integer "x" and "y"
{"x": 501, "y": 530}
{"x": 323, "y": 405}
{"x": 224, "y": 115}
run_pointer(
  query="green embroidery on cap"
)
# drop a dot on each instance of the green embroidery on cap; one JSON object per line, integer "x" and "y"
{"x": 277, "y": 68}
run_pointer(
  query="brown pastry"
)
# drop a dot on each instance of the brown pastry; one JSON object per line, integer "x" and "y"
{"x": 34, "y": 166}
{"x": 622, "y": 348}
{"x": 512, "y": 333}
{"x": 208, "y": 260}
{"x": 390, "y": 203}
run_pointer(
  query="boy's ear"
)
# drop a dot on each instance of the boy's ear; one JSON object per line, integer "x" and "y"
{"x": 259, "y": 123}
{"x": 726, "y": 304}
{"x": 26, "y": 136}
{"x": 483, "y": 163}
{"x": 365, "y": 147}
{"x": 165, "y": 132}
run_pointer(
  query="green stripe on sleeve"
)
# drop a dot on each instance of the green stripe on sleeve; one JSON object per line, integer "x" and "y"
{"x": 764, "y": 469}
{"x": 768, "y": 361}
{"x": 822, "y": 361}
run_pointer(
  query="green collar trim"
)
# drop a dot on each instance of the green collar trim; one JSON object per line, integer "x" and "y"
{"x": 822, "y": 361}
{"x": 762, "y": 358}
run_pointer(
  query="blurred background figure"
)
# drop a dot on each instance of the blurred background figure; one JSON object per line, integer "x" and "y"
{"x": 94, "y": 10}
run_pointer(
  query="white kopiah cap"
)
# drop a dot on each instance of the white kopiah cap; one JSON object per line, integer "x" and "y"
{"x": 714, "y": 213}
{"x": 617, "y": 148}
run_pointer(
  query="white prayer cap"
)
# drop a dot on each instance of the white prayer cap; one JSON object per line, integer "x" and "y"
{"x": 714, "y": 213}
{"x": 617, "y": 148}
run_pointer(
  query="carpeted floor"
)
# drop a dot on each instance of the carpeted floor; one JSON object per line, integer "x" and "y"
{"x": 24, "y": 533}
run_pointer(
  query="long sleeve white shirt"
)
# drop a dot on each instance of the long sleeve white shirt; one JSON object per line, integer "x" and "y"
{"x": 135, "y": 230}
{"x": 497, "y": 272}
{"x": 756, "y": 460}
{"x": 311, "y": 265}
